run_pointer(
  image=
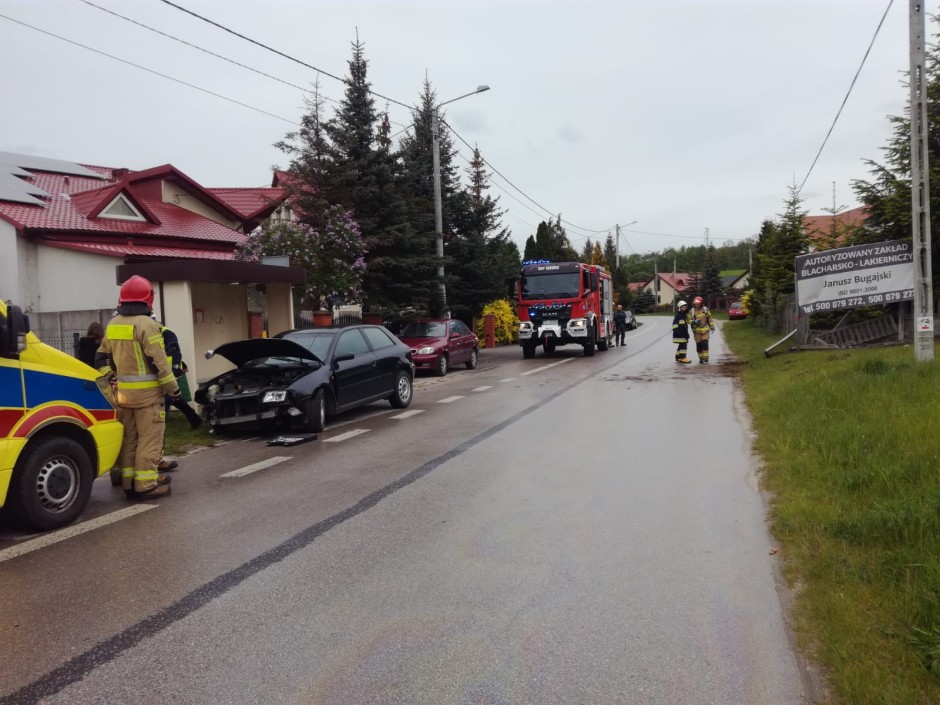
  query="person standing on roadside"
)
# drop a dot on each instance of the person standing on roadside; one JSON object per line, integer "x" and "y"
{"x": 89, "y": 343}
{"x": 680, "y": 332}
{"x": 132, "y": 349}
{"x": 620, "y": 325}
{"x": 702, "y": 327}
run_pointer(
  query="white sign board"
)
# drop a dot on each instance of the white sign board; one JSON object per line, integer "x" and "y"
{"x": 849, "y": 277}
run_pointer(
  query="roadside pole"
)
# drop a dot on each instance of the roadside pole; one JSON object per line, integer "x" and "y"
{"x": 920, "y": 188}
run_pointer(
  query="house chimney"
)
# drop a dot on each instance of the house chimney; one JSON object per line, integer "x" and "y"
{"x": 118, "y": 174}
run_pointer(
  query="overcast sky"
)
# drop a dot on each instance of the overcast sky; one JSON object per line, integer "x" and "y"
{"x": 680, "y": 115}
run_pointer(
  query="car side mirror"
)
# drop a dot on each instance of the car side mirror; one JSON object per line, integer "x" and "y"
{"x": 13, "y": 330}
{"x": 210, "y": 354}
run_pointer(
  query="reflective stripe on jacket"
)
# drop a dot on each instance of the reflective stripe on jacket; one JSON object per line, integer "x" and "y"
{"x": 701, "y": 319}
{"x": 134, "y": 345}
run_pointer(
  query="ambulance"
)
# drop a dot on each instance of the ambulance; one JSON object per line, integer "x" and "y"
{"x": 58, "y": 428}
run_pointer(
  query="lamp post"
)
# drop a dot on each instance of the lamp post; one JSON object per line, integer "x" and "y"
{"x": 438, "y": 208}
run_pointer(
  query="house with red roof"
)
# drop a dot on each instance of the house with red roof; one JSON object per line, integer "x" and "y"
{"x": 820, "y": 228}
{"x": 70, "y": 234}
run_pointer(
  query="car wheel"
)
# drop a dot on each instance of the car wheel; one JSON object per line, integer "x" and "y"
{"x": 52, "y": 484}
{"x": 528, "y": 351}
{"x": 401, "y": 397}
{"x": 442, "y": 365}
{"x": 316, "y": 412}
{"x": 472, "y": 362}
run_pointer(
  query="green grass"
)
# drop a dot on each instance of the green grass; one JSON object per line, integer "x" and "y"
{"x": 179, "y": 438}
{"x": 850, "y": 443}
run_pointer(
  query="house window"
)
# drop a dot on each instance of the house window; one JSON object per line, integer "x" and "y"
{"x": 121, "y": 209}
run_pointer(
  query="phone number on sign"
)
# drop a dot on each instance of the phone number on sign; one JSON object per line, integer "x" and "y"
{"x": 854, "y": 301}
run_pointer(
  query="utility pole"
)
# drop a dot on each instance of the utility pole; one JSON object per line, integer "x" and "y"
{"x": 656, "y": 279}
{"x": 706, "y": 238}
{"x": 618, "y": 247}
{"x": 920, "y": 188}
{"x": 438, "y": 207}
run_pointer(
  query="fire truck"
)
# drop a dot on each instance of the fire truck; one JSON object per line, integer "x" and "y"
{"x": 562, "y": 303}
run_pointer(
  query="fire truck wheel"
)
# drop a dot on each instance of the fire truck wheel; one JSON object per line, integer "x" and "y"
{"x": 51, "y": 484}
{"x": 528, "y": 351}
{"x": 604, "y": 343}
{"x": 589, "y": 348}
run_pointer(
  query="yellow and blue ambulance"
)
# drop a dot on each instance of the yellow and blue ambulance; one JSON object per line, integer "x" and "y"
{"x": 58, "y": 427}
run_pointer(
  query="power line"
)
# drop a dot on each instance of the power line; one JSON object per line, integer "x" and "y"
{"x": 684, "y": 237}
{"x": 148, "y": 70}
{"x": 216, "y": 55}
{"x": 279, "y": 53}
{"x": 503, "y": 177}
{"x": 848, "y": 93}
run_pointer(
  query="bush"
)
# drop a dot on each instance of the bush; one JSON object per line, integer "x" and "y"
{"x": 507, "y": 323}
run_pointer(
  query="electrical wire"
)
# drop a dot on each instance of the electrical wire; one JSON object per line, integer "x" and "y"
{"x": 503, "y": 177}
{"x": 148, "y": 70}
{"x": 279, "y": 53}
{"x": 848, "y": 93}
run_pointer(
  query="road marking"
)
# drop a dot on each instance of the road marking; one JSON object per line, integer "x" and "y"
{"x": 56, "y": 536}
{"x": 408, "y": 414}
{"x": 508, "y": 379}
{"x": 448, "y": 400}
{"x": 246, "y": 440}
{"x": 546, "y": 367}
{"x": 248, "y": 469}
{"x": 482, "y": 389}
{"x": 346, "y": 436}
{"x": 363, "y": 417}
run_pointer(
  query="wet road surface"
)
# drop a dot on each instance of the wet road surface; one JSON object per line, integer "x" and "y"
{"x": 556, "y": 530}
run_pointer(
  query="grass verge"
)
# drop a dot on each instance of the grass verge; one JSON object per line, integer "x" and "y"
{"x": 179, "y": 438}
{"x": 850, "y": 443}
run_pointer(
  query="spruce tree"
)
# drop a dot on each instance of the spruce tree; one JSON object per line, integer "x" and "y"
{"x": 587, "y": 252}
{"x": 711, "y": 280}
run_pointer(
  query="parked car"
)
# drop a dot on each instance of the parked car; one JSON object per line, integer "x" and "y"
{"x": 439, "y": 344}
{"x": 631, "y": 319}
{"x": 301, "y": 378}
{"x": 736, "y": 311}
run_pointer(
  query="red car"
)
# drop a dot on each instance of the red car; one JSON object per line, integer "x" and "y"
{"x": 439, "y": 344}
{"x": 736, "y": 311}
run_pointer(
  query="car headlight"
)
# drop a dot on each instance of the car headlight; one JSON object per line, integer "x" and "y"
{"x": 426, "y": 351}
{"x": 274, "y": 397}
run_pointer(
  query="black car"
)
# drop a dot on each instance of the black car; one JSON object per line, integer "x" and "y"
{"x": 631, "y": 320}
{"x": 300, "y": 378}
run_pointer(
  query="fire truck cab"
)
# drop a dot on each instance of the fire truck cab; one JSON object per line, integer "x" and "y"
{"x": 562, "y": 303}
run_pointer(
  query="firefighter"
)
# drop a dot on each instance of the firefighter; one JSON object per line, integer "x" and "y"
{"x": 133, "y": 350}
{"x": 702, "y": 327}
{"x": 174, "y": 355}
{"x": 680, "y": 332}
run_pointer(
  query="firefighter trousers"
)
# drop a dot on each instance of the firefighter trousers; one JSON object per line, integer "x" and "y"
{"x": 701, "y": 345}
{"x": 142, "y": 448}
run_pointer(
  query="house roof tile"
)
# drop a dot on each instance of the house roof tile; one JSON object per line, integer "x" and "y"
{"x": 250, "y": 203}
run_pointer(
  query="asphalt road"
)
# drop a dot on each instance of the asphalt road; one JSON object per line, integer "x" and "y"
{"x": 557, "y": 530}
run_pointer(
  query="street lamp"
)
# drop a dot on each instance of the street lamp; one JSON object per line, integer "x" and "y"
{"x": 438, "y": 209}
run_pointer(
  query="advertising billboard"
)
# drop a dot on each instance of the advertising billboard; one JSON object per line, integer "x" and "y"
{"x": 863, "y": 275}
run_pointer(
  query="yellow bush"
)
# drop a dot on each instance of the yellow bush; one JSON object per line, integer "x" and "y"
{"x": 507, "y": 324}
{"x": 746, "y": 301}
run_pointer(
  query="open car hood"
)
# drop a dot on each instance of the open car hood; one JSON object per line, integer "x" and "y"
{"x": 241, "y": 351}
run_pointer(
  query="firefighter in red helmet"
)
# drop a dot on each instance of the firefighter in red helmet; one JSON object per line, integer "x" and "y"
{"x": 702, "y": 327}
{"x": 133, "y": 350}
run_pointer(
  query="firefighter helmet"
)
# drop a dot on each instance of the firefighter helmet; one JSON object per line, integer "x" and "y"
{"x": 136, "y": 289}
{"x": 697, "y": 300}
{"x": 681, "y": 304}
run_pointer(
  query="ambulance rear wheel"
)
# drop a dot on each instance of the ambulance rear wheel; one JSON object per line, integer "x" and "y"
{"x": 51, "y": 484}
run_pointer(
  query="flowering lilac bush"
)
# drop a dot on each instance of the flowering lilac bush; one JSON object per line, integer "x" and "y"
{"x": 333, "y": 255}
